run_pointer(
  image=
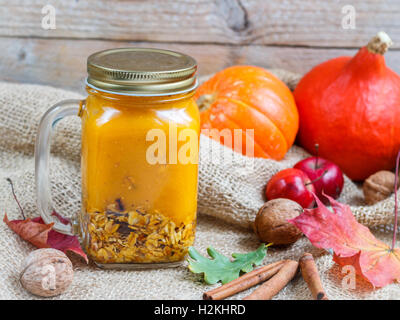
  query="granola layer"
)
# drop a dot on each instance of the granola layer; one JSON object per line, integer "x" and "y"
{"x": 136, "y": 237}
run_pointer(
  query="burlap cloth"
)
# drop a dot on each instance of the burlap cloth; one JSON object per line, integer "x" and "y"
{"x": 230, "y": 194}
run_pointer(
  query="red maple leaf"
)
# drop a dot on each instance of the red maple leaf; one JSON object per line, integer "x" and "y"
{"x": 351, "y": 242}
{"x": 42, "y": 235}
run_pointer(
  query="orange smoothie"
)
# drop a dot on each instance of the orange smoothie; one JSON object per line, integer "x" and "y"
{"x": 139, "y": 176}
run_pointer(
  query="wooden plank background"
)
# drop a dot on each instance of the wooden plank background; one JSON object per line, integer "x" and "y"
{"x": 290, "y": 34}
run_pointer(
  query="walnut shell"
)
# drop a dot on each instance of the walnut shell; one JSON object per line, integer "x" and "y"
{"x": 46, "y": 272}
{"x": 378, "y": 186}
{"x": 271, "y": 224}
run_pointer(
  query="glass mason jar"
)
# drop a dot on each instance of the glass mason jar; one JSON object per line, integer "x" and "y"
{"x": 140, "y": 135}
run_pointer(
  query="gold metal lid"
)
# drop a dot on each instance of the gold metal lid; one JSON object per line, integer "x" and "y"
{"x": 141, "y": 71}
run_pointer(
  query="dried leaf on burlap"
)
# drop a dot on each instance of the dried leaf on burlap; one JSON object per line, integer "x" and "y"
{"x": 351, "y": 242}
{"x": 30, "y": 230}
{"x": 42, "y": 235}
{"x": 221, "y": 268}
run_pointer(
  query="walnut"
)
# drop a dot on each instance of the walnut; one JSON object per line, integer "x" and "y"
{"x": 271, "y": 224}
{"x": 378, "y": 186}
{"x": 46, "y": 272}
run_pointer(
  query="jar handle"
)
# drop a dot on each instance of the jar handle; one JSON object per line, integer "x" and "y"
{"x": 42, "y": 154}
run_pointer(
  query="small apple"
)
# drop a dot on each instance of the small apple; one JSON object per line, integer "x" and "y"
{"x": 291, "y": 184}
{"x": 325, "y": 176}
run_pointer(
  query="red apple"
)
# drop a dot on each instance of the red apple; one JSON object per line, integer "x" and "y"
{"x": 291, "y": 184}
{"x": 325, "y": 176}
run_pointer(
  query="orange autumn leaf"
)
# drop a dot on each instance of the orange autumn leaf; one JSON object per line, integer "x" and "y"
{"x": 351, "y": 242}
{"x": 34, "y": 232}
{"x": 42, "y": 235}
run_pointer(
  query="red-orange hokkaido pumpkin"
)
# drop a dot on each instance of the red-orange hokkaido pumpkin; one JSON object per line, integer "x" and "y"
{"x": 248, "y": 97}
{"x": 350, "y": 106}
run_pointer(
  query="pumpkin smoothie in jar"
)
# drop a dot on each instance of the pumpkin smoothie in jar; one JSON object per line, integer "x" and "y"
{"x": 140, "y": 137}
{"x": 140, "y": 134}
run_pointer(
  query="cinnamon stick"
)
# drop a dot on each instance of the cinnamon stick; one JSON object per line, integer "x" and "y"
{"x": 271, "y": 287}
{"x": 244, "y": 282}
{"x": 311, "y": 276}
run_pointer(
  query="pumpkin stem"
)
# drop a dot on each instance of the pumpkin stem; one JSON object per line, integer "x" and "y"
{"x": 380, "y": 43}
{"x": 205, "y": 101}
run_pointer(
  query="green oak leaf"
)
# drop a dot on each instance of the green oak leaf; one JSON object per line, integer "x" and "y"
{"x": 221, "y": 268}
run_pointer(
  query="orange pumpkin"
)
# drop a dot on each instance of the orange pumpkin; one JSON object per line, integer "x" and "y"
{"x": 350, "y": 106}
{"x": 248, "y": 97}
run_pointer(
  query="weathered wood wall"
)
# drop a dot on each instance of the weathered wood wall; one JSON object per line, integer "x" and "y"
{"x": 291, "y": 34}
